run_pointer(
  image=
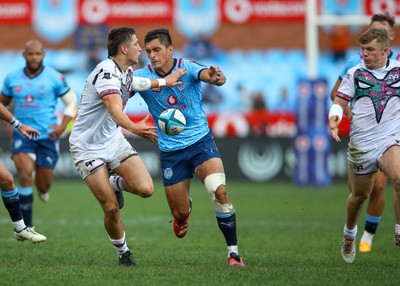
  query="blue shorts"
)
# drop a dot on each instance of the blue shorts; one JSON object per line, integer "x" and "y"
{"x": 179, "y": 165}
{"x": 45, "y": 152}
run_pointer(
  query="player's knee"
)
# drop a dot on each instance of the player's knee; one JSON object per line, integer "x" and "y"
{"x": 213, "y": 182}
{"x": 111, "y": 211}
{"x": 144, "y": 190}
{"x": 7, "y": 182}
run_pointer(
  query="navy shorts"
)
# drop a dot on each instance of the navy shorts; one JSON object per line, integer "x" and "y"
{"x": 44, "y": 152}
{"x": 179, "y": 165}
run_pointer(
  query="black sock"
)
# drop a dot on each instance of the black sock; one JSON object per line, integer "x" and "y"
{"x": 26, "y": 208}
{"x": 11, "y": 202}
{"x": 228, "y": 227}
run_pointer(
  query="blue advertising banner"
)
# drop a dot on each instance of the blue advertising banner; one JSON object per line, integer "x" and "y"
{"x": 312, "y": 143}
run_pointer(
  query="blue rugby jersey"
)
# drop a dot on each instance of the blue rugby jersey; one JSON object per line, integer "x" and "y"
{"x": 35, "y": 99}
{"x": 186, "y": 97}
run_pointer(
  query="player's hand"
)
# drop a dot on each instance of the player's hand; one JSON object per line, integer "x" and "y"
{"x": 333, "y": 127}
{"x": 146, "y": 131}
{"x": 28, "y": 132}
{"x": 172, "y": 79}
{"x": 57, "y": 132}
{"x": 216, "y": 75}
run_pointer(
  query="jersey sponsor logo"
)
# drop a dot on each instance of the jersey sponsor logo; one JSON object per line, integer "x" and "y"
{"x": 107, "y": 75}
{"x": 358, "y": 168}
{"x": 29, "y": 98}
{"x": 89, "y": 163}
{"x": 172, "y": 100}
{"x": 17, "y": 88}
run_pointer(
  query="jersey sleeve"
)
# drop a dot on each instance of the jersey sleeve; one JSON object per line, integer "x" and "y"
{"x": 346, "y": 89}
{"x": 194, "y": 67}
{"x": 107, "y": 82}
{"x": 7, "y": 89}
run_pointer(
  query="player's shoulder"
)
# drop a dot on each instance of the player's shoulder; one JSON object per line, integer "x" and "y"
{"x": 145, "y": 71}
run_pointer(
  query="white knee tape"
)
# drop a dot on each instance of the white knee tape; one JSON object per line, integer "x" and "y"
{"x": 223, "y": 208}
{"x": 212, "y": 182}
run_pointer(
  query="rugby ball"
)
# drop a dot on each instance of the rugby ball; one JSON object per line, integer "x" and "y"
{"x": 171, "y": 121}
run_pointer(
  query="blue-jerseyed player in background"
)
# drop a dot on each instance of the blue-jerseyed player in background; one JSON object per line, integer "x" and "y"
{"x": 376, "y": 202}
{"x": 35, "y": 90}
{"x": 193, "y": 150}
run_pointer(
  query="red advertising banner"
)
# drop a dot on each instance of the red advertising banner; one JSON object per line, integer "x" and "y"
{"x": 377, "y": 6}
{"x": 15, "y": 12}
{"x": 115, "y": 11}
{"x": 249, "y": 11}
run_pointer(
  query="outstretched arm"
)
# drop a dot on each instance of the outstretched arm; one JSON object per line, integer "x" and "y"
{"x": 213, "y": 75}
{"x": 25, "y": 130}
{"x": 143, "y": 83}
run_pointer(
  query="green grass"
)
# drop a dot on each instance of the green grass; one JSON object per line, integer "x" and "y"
{"x": 287, "y": 236}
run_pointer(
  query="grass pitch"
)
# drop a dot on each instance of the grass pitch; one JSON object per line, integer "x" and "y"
{"x": 287, "y": 236}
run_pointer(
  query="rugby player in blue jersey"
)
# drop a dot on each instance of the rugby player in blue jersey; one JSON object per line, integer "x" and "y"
{"x": 35, "y": 90}
{"x": 376, "y": 201}
{"x": 193, "y": 151}
{"x": 9, "y": 191}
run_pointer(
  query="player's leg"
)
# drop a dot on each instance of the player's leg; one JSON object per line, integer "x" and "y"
{"x": 375, "y": 208}
{"x": 97, "y": 182}
{"x": 389, "y": 163}
{"x": 211, "y": 173}
{"x": 134, "y": 177}
{"x": 180, "y": 205}
{"x": 25, "y": 164}
{"x": 10, "y": 197}
{"x": 361, "y": 187}
{"x": 47, "y": 158}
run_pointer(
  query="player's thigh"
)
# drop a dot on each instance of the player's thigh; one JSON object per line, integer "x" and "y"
{"x": 100, "y": 187}
{"x": 389, "y": 163}
{"x": 208, "y": 167}
{"x": 135, "y": 175}
{"x": 379, "y": 182}
{"x": 24, "y": 163}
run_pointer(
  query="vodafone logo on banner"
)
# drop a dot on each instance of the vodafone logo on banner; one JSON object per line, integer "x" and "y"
{"x": 107, "y": 11}
{"x": 377, "y": 6}
{"x": 95, "y": 11}
{"x": 245, "y": 11}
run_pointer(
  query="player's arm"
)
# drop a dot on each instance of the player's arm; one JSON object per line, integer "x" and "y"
{"x": 113, "y": 103}
{"x": 335, "y": 116}
{"x": 71, "y": 108}
{"x": 25, "y": 130}
{"x": 5, "y": 100}
{"x": 213, "y": 75}
{"x": 142, "y": 83}
{"x": 346, "y": 109}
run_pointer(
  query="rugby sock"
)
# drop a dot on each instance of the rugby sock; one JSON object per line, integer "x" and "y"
{"x": 350, "y": 234}
{"x": 116, "y": 182}
{"x": 26, "y": 202}
{"x": 120, "y": 245}
{"x": 11, "y": 202}
{"x": 227, "y": 224}
{"x": 371, "y": 224}
{"x": 397, "y": 229}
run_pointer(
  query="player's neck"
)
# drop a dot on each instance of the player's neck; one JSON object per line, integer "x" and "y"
{"x": 33, "y": 72}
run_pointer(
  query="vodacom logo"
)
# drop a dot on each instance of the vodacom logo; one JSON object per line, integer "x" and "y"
{"x": 95, "y": 11}
{"x": 238, "y": 11}
{"x": 377, "y": 6}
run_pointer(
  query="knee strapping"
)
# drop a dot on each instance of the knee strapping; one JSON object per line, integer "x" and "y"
{"x": 212, "y": 182}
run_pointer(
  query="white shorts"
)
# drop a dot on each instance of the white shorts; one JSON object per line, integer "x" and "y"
{"x": 87, "y": 162}
{"x": 364, "y": 162}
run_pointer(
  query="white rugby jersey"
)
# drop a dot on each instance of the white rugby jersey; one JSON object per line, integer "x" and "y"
{"x": 94, "y": 128}
{"x": 374, "y": 102}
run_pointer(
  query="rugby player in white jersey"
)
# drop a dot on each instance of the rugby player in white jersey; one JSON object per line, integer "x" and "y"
{"x": 97, "y": 144}
{"x": 372, "y": 88}
{"x": 376, "y": 202}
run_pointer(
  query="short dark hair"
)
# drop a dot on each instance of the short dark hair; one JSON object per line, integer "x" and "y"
{"x": 117, "y": 37}
{"x": 384, "y": 17}
{"x": 161, "y": 34}
{"x": 380, "y": 35}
